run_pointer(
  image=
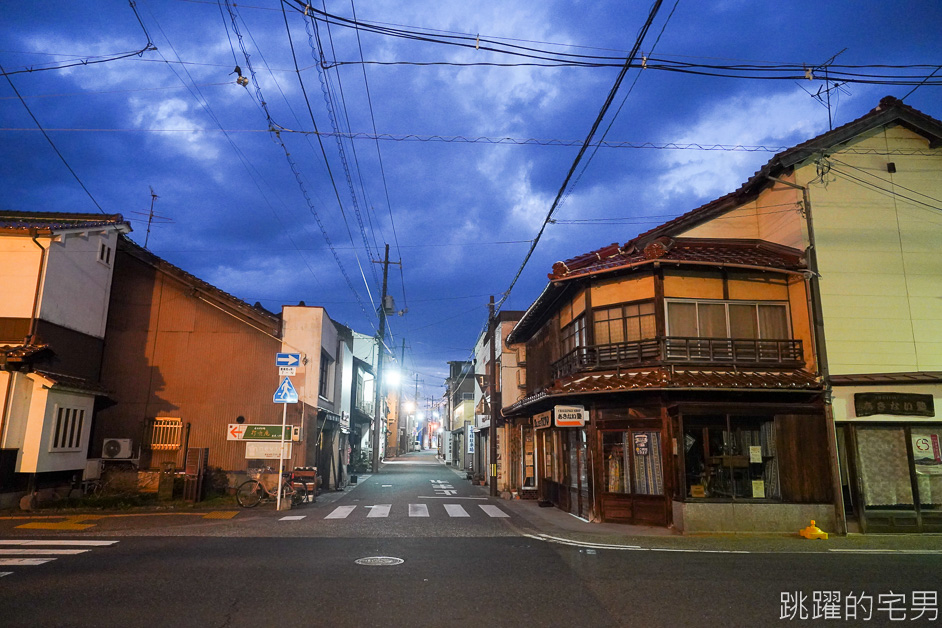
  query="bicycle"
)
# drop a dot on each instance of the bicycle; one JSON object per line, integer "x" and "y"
{"x": 252, "y": 492}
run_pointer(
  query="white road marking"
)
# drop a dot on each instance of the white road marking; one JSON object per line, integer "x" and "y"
{"x": 886, "y": 551}
{"x": 53, "y": 542}
{"x": 493, "y": 511}
{"x": 379, "y": 510}
{"x": 418, "y": 510}
{"x": 293, "y": 518}
{"x": 447, "y": 497}
{"x": 10, "y": 562}
{"x": 456, "y": 510}
{"x": 633, "y": 548}
{"x": 340, "y": 512}
{"x": 40, "y": 552}
{"x": 5, "y": 573}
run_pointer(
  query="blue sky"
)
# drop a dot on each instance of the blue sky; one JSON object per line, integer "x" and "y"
{"x": 268, "y": 226}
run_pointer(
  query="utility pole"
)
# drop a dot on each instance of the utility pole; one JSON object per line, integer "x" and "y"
{"x": 494, "y": 403}
{"x": 379, "y": 415}
{"x": 411, "y": 437}
{"x": 400, "y": 441}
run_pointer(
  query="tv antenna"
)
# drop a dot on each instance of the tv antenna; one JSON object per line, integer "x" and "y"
{"x": 823, "y": 95}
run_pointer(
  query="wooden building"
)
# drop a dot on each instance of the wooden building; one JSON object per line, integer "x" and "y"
{"x": 862, "y": 201}
{"x": 676, "y": 384}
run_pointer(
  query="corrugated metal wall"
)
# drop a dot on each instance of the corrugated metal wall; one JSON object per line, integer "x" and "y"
{"x": 172, "y": 353}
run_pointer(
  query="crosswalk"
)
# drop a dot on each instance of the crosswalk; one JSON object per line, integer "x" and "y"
{"x": 34, "y": 552}
{"x": 382, "y": 511}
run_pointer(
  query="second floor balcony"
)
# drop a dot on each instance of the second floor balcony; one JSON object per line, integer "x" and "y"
{"x": 746, "y": 352}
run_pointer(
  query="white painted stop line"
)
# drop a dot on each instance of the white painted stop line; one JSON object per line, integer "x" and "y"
{"x": 418, "y": 510}
{"x": 10, "y": 562}
{"x": 54, "y": 542}
{"x": 455, "y": 510}
{"x": 340, "y": 512}
{"x": 493, "y": 511}
{"x": 39, "y": 552}
{"x": 379, "y": 510}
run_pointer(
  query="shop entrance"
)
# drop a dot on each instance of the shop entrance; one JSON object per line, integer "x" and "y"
{"x": 896, "y": 476}
{"x": 632, "y": 476}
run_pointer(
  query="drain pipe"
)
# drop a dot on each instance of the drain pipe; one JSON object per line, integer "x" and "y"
{"x": 34, "y": 316}
{"x": 820, "y": 348}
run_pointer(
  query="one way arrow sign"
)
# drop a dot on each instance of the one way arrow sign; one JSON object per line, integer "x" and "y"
{"x": 287, "y": 359}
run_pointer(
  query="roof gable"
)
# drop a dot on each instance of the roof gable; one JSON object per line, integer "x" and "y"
{"x": 890, "y": 112}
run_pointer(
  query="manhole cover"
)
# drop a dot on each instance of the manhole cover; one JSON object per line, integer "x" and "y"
{"x": 379, "y": 561}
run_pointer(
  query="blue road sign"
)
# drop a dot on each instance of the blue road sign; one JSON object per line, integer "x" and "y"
{"x": 286, "y": 393}
{"x": 287, "y": 359}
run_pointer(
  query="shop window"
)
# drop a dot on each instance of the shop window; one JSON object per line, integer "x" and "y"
{"x": 624, "y": 323}
{"x": 529, "y": 459}
{"x": 615, "y": 453}
{"x": 727, "y": 319}
{"x": 927, "y": 463}
{"x": 731, "y": 458}
{"x": 549, "y": 455}
{"x": 632, "y": 462}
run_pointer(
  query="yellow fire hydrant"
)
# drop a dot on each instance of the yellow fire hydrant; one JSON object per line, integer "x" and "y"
{"x": 813, "y": 532}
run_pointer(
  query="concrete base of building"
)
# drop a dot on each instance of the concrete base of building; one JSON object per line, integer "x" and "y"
{"x": 705, "y": 517}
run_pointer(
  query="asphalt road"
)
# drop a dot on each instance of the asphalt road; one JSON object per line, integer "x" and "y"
{"x": 260, "y": 569}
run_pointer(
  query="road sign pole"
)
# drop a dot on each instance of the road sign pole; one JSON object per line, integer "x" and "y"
{"x": 281, "y": 452}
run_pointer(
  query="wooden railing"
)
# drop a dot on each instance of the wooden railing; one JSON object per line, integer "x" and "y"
{"x": 681, "y": 350}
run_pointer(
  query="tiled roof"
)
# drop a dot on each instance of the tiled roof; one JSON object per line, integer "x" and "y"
{"x": 662, "y": 378}
{"x": 53, "y": 221}
{"x": 725, "y": 252}
{"x": 889, "y": 111}
{"x": 20, "y": 353}
{"x": 59, "y": 380}
{"x": 129, "y": 246}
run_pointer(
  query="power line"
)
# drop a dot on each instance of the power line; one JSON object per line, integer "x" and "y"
{"x": 458, "y": 139}
{"x": 253, "y": 173}
{"x": 379, "y": 156}
{"x": 598, "y": 121}
{"x": 49, "y": 139}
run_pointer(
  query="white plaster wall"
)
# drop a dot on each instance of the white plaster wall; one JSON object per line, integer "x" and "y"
{"x": 76, "y": 286}
{"x": 14, "y": 428}
{"x": 19, "y": 269}
{"x": 36, "y": 454}
{"x": 302, "y": 328}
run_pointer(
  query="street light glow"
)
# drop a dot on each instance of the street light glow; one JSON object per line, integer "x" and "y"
{"x": 392, "y": 378}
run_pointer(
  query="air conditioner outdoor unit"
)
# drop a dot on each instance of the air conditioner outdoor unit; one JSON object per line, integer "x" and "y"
{"x": 116, "y": 448}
